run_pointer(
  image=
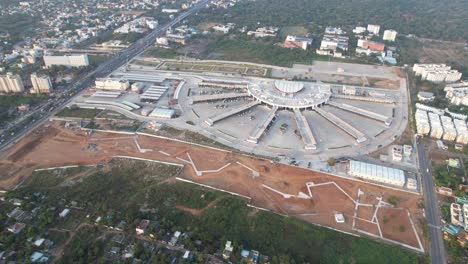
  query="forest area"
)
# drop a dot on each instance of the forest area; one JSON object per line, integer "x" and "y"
{"x": 423, "y": 18}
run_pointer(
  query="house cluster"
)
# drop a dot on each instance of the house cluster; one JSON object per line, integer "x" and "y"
{"x": 335, "y": 42}
{"x": 436, "y": 73}
{"x": 441, "y": 124}
{"x": 223, "y": 3}
{"x": 19, "y": 219}
{"x": 138, "y": 25}
{"x": 458, "y": 226}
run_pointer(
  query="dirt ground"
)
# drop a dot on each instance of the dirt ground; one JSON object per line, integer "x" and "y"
{"x": 277, "y": 187}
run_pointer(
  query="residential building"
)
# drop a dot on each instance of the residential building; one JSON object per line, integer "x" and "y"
{"x": 369, "y": 47}
{"x": 422, "y": 122}
{"x": 333, "y": 42}
{"x": 142, "y": 226}
{"x": 64, "y": 213}
{"x": 174, "y": 238}
{"x": 228, "y": 248}
{"x": 11, "y": 83}
{"x": 41, "y": 83}
{"x": 436, "y": 73}
{"x": 456, "y": 215}
{"x": 457, "y": 93}
{"x": 66, "y": 60}
{"x": 359, "y": 30}
{"x": 389, "y": 35}
{"x": 374, "y": 29}
{"x": 295, "y": 42}
{"x": 436, "y": 126}
{"x": 16, "y": 228}
{"x": 334, "y": 31}
{"x": 450, "y": 133}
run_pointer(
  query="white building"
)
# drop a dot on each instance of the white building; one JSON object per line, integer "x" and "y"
{"x": 41, "y": 83}
{"x": 223, "y": 28}
{"x": 450, "y": 133}
{"x": 359, "y": 30}
{"x": 333, "y": 42}
{"x": 11, "y": 83}
{"x": 390, "y": 35}
{"x": 112, "y": 84}
{"x": 162, "y": 113}
{"x": 374, "y": 29}
{"x": 64, "y": 213}
{"x": 457, "y": 93}
{"x": 462, "y": 133}
{"x": 456, "y": 214}
{"x": 436, "y": 73}
{"x": 376, "y": 173}
{"x": 436, "y": 126}
{"x": 422, "y": 122}
{"x": 66, "y": 60}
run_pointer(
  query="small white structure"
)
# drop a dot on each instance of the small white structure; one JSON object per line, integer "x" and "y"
{"x": 412, "y": 184}
{"x": 390, "y": 35}
{"x": 377, "y": 173}
{"x": 64, "y": 213}
{"x": 162, "y": 113}
{"x": 339, "y": 218}
{"x": 228, "y": 248}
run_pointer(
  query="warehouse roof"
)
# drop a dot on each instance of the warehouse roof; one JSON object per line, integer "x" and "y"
{"x": 379, "y": 173}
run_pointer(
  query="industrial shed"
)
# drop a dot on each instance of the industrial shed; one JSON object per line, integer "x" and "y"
{"x": 377, "y": 173}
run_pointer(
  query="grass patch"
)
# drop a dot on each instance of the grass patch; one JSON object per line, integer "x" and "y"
{"x": 79, "y": 112}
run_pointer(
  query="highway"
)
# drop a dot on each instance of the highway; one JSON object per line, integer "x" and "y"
{"x": 83, "y": 81}
{"x": 437, "y": 250}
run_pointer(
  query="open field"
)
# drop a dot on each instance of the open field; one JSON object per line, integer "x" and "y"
{"x": 436, "y": 51}
{"x": 312, "y": 196}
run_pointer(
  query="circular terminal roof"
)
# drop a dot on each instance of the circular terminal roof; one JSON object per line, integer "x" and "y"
{"x": 289, "y": 86}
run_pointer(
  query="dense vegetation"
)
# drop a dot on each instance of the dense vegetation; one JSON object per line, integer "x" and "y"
{"x": 440, "y": 19}
{"x": 134, "y": 190}
{"x": 8, "y": 103}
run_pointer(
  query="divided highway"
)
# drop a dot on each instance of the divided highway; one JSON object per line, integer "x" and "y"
{"x": 86, "y": 80}
{"x": 437, "y": 250}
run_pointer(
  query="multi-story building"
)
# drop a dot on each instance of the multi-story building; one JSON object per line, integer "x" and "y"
{"x": 457, "y": 93}
{"x": 11, "y": 83}
{"x": 374, "y": 29}
{"x": 436, "y": 127}
{"x": 436, "y": 73}
{"x": 41, "y": 83}
{"x": 422, "y": 122}
{"x": 462, "y": 132}
{"x": 450, "y": 133}
{"x": 390, "y": 35}
{"x": 66, "y": 60}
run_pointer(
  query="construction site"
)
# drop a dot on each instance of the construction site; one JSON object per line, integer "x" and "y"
{"x": 346, "y": 205}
